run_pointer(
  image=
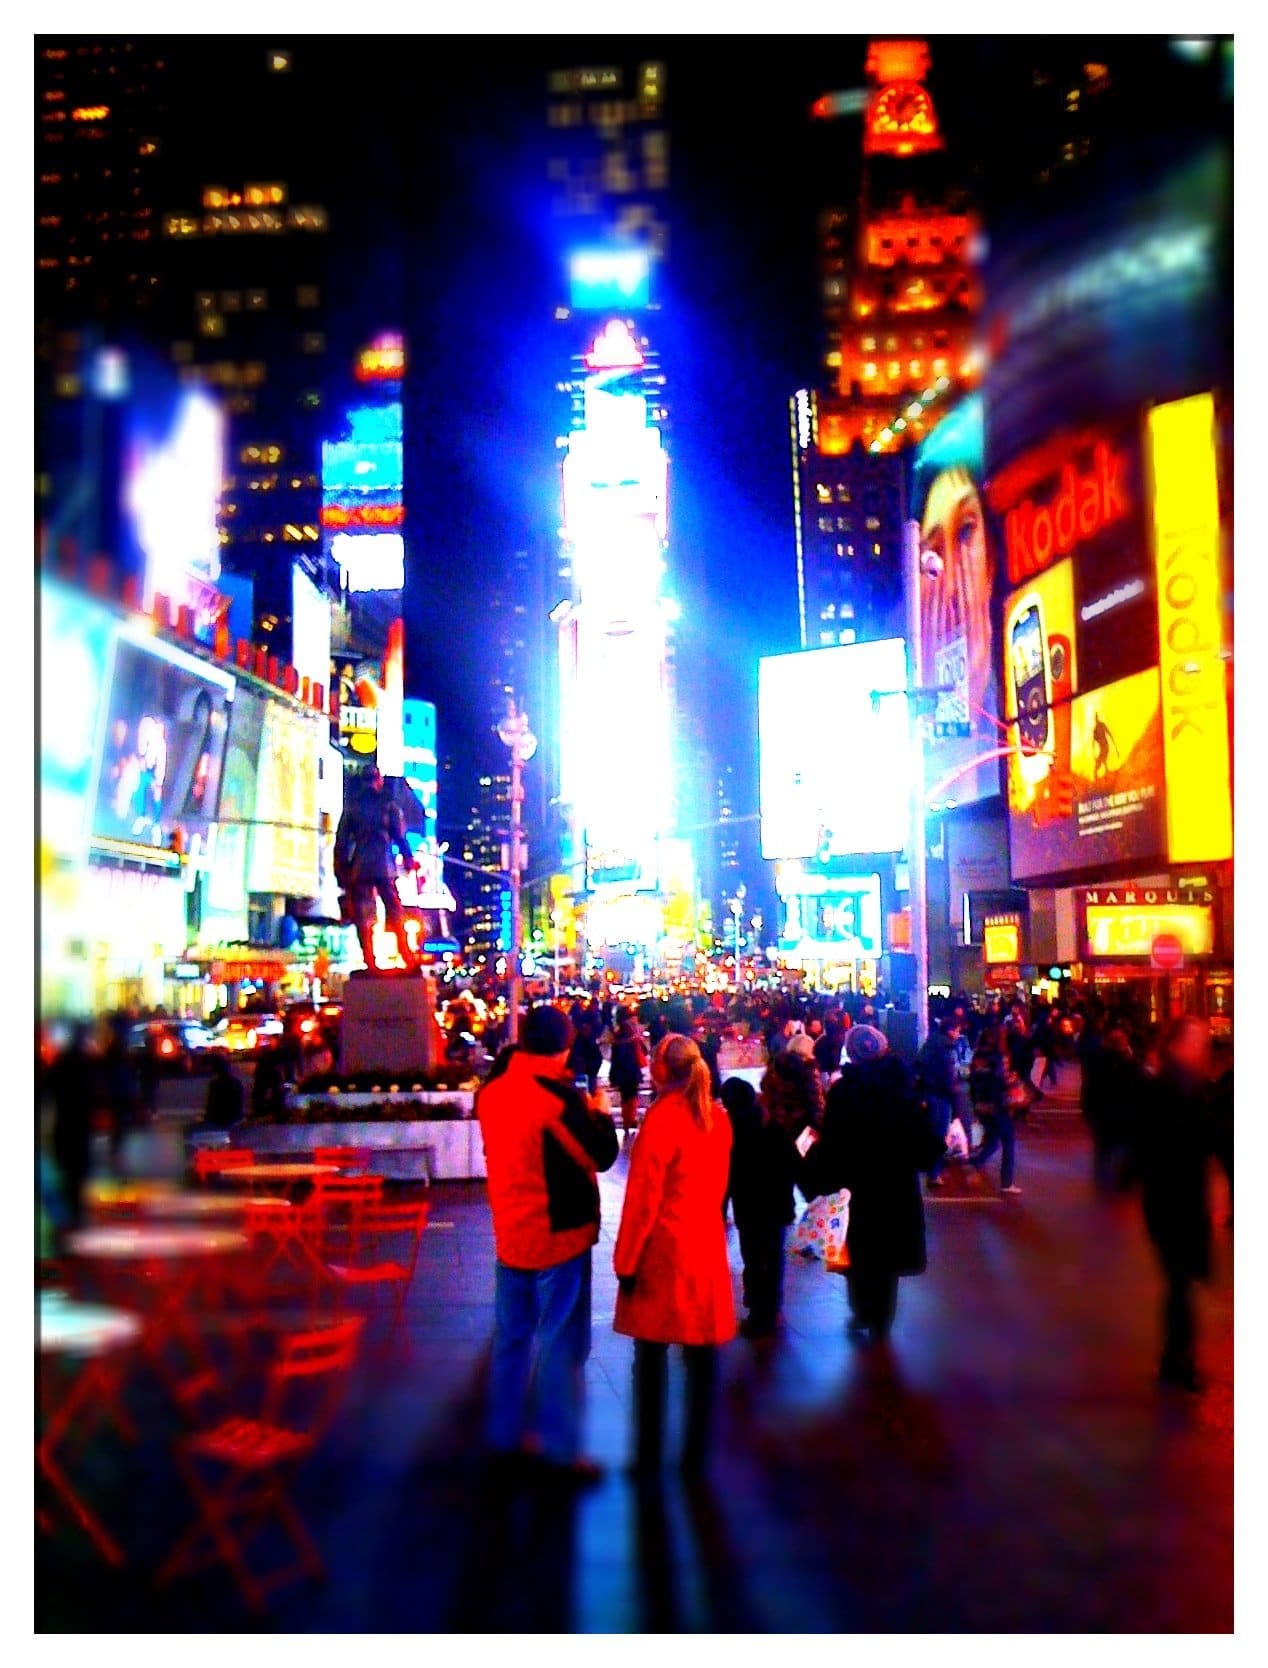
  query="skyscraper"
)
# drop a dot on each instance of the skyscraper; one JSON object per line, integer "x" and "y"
{"x": 609, "y": 172}
{"x": 900, "y": 299}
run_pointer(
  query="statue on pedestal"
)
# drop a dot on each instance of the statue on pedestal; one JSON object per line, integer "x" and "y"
{"x": 371, "y": 832}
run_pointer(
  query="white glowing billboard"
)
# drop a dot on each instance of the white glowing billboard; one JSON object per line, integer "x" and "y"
{"x": 614, "y": 633}
{"x": 173, "y": 473}
{"x": 836, "y": 763}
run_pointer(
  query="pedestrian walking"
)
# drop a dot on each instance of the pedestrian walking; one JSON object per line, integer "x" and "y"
{"x": 629, "y": 1059}
{"x": 671, "y": 1261}
{"x": 224, "y": 1097}
{"x": 988, "y": 1074}
{"x": 544, "y": 1144}
{"x": 877, "y": 1140}
{"x": 1173, "y": 1145}
{"x": 937, "y": 1075}
{"x": 73, "y": 1086}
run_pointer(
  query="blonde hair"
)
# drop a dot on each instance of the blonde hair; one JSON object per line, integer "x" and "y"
{"x": 679, "y": 1062}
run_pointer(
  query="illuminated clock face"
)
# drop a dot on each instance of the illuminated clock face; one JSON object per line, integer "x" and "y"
{"x": 903, "y": 110}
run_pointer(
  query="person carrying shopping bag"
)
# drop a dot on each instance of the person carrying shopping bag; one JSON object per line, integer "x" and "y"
{"x": 671, "y": 1257}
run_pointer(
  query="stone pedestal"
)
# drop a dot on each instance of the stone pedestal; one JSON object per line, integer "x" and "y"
{"x": 388, "y": 1024}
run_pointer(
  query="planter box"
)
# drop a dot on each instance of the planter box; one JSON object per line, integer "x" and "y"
{"x": 450, "y": 1149}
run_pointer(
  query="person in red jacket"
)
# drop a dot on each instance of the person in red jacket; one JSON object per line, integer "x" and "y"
{"x": 544, "y": 1142}
{"x": 671, "y": 1260}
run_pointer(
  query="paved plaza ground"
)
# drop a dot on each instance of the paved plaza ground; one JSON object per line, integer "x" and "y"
{"x": 1008, "y": 1465}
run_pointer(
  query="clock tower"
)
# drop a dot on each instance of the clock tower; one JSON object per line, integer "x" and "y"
{"x": 900, "y": 119}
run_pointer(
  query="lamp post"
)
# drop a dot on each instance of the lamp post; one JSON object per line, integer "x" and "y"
{"x": 917, "y": 893}
{"x": 514, "y": 733}
{"x": 737, "y": 910}
{"x": 557, "y": 922}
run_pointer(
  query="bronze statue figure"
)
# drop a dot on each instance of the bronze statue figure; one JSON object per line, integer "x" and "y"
{"x": 371, "y": 831}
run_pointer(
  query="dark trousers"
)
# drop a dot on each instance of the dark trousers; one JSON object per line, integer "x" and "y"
{"x": 999, "y": 1133}
{"x": 1178, "y": 1327}
{"x": 651, "y": 1387}
{"x": 762, "y": 1248}
{"x": 873, "y": 1299}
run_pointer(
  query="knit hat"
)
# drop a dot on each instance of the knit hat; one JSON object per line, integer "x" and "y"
{"x": 546, "y": 1031}
{"x": 864, "y": 1042}
{"x": 802, "y": 1044}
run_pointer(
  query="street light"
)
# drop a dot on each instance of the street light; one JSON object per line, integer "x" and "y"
{"x": 737, "y": 910}
{"x": 514, "y": 733}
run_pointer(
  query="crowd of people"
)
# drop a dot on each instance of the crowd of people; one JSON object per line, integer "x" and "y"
{"x": 840, "y": 1119}
{"x": 838, "y": 1130}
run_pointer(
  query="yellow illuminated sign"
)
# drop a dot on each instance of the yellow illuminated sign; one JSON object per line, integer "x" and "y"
{"x": 1187, "y": 556}
{"x": 1001, "y": 943}
{"x": 1116, "y": 931}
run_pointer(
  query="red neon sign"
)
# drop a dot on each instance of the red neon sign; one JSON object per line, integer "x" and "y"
{"x": 615, "y": 349}
{"x": 382, "y": 361}
{"x": 363, "y": 515}
{"x": 1036, "y": 534}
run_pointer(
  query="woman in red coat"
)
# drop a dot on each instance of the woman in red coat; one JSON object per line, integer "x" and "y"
{"x": 671, "y": 1262}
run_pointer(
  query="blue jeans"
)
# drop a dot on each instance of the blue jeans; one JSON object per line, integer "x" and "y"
{"x": 1000, "y": 1132}
{"x": 549, "y": 1307}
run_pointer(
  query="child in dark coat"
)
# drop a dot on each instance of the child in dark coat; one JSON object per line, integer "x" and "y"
{"x": 764, "y": 1165}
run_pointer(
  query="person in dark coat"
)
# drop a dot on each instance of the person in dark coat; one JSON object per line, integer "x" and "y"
{"x": 73, "y": 1086}
{"x": 986, "y": 1090}
{"x": 877, "y": 1139}
{"x": 1222, "y": 1116}
{"x": 1112, "y": 1088}
{"x": 1173, "y": 1145}
{"x": 225, "y": 1099}
{"x": 585, "y": 1056}
{"x": 268, "y": 1087}
{"x": 764, "y": 1167}
{"x": 936, "y": 1076}
{"x": 120, "y": 1089}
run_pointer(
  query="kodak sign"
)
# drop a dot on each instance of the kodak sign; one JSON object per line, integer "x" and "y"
{"x": 1186, "y": 520}
{"x": 1037, "y": 532}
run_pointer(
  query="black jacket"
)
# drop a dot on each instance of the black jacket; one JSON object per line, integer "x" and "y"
{"x": 224, "y": 1102}
{"x": 877, "y": 1139}
{"x": 764, "y": 1168}
{"x": 935, "y": 1066}
{"x": 1173, "y": 1143}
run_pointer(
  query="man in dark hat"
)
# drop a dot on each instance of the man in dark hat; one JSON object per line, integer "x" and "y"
{"x": 544, "y": 1143}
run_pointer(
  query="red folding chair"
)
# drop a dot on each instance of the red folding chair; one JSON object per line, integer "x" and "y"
{"x": 240, "y": 1470}
{"x": 386, "y": 1254}
{"x": 209, "y": 1161}
{"x": 347, "y": 1158}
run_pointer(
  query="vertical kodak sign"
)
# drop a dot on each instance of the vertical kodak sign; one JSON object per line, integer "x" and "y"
{"x": 1187, "y": 557}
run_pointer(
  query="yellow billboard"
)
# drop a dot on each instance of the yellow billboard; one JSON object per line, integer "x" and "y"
{"x": 1186, "y": 522}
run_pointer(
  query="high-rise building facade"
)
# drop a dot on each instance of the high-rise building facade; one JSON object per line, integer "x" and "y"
{"x": 899, "y": 300}
{"x": 486, "y": 899}
{"x": 609, "y": 172}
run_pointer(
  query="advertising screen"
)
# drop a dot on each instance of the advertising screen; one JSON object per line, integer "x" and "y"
{"x": 836, "y": 767}
{"x": 227, "y": 888}
{"x": 1082, "y": 698}
{"x": 75, "y": 638}
{"x": 957, "y": 646}
{"x": 310, "y": 629}
{"x": 829, "y": 914}
{"x": 285, "y": 847}
{"x": 172, "y": 473}
{"x": 603, "y": 279}
{"x": 163, "y": 746}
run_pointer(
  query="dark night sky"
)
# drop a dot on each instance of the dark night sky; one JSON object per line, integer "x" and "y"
{"x": 431, "y": 156}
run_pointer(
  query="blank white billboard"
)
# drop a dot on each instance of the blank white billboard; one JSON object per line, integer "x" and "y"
{"x": 836, "y": 764}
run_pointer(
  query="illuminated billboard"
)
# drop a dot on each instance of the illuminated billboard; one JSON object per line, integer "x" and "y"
{"x": 172, "y": 475}
{"x": 75, "y": 638}
{"x": 601, "y": 280}
{"x": 227, "y": 882}
{"x": 362, "y": 510}
{"x": 614, "y": 636}
{"x": 957, "y": 646}
{"x": 167, "y": 719}
{"x": 310, "y": 629}
{"x": 1190, "y": 590}
{"x": 1084, "y": 703}
{"x": 836, "y": 765}
{"x": 837, "y": 916}
{"x": 285, "y": 846}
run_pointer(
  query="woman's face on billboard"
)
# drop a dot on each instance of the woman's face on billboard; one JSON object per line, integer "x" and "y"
{"x": 956, "y": 605}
